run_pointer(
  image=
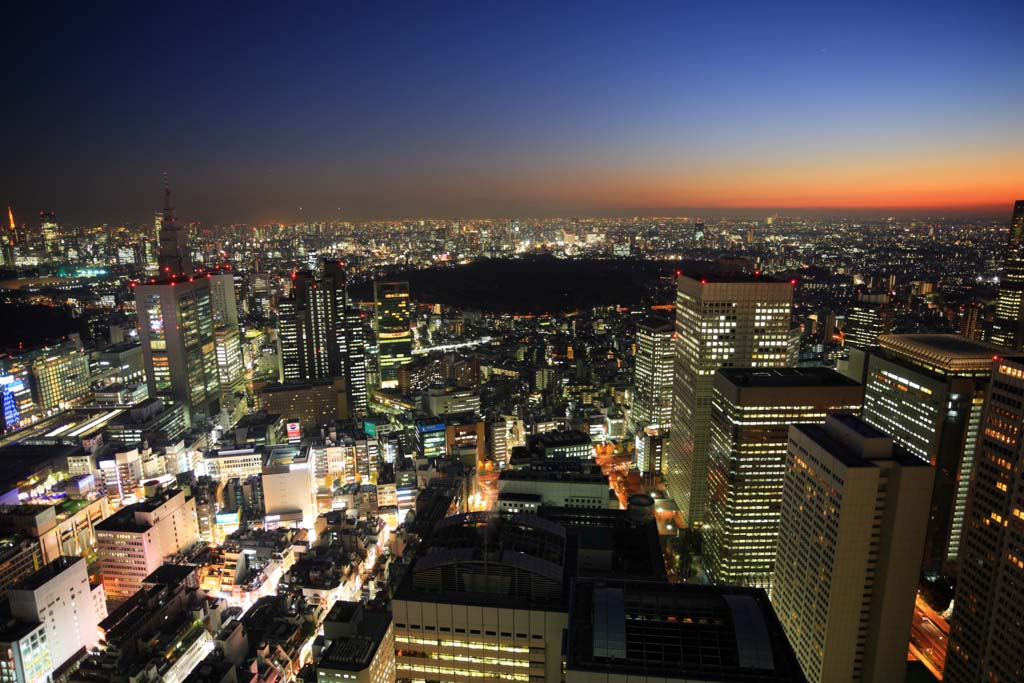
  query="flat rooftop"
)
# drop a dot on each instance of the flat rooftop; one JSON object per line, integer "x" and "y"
{"x": 355, "y": 650}
{"x": 851, "y": 456}
{"x": 949, "y": 353}
{"x": 786, "y": 377}
{"x": 47, "y": 572}
{"x": 677, "y": 632}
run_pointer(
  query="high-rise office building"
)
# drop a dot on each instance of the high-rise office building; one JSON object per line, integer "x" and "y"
{"x": 928, "y": 391}
{"x": 224, "y": 308}
{"x": 652, "y": 393}
{"x": 869, "y": 316}
{"x": 750, "y": 416}
{"x": 175, "y": 312}
{"x": 854, "y": 512}
{"x": 393, "y": 310}
{"x": 1008, "y": 325}
{"x": 721, "y": 321}
{"x": 61, "y": 378}
{"x": 984, "y": 641}
{"x": 320, "y": 336}
{"x": 59, "y": 597}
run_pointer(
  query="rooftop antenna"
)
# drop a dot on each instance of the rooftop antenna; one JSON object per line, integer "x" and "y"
{"x": 167, "y": 195}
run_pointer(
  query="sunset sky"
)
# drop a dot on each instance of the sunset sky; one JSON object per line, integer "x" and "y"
{"x": 421, "y": 109}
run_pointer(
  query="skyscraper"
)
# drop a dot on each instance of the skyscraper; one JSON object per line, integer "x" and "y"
{"x": 1008, "y": 326}
{"x": 321, "y": 337}
{"x": 854, "y": 511}
{"x": 652, "y": 397}
{"x": 175, "y": 312}
{"x": 869, "y": 316}
{"x": 984, "y": 641}
{"x": 224, "y": 308}
{"x": 927, "y": 391}
{"x": 175, "y": 256}
{"x": 721, "y": 321}
{"x": 394, "y": 337}
{"x": 750, "y": 417}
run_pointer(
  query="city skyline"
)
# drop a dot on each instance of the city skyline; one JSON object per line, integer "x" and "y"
{"x": 355, "y": 112}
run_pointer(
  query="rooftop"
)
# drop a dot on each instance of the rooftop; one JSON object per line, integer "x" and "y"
{"x": 47, "y": 572}
{"x": 678, "y": 631}
{"x": 364, "y": 630}
{"x": 947, "y": 353}
{"x": 786, "y": 377}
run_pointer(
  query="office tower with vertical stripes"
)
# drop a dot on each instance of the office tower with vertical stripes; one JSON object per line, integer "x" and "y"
{"x": 928, "y": 391}
{"x": 652, "y": 375}
{"x": 1008, "y": 325}
{"x": 985, "y": 633}
{"x": 750, "y": 416}
{"x": 722, "y": 320}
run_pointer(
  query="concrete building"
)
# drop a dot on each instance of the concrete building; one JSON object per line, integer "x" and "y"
{"x": 233, "y": 463}
{"x": 20, "y": 557}
{"x": 526, "y": 490}
{"x": 652, "y": 375}
{"x": 312, "y": 403}
{"x": 928, "y": 392}
{"x": 750, "y": 416}
{"x": 721, "y": 321}
{"x": 658, "y": 632}
{"x": 59, "y": 597}
{"x": 359, "y": 645}
{"x": 984, "y": 641}
{"x": 61, "y": 378}
{"x": 854, "y": 512}
{"x": 486, "y": 599}
{"x": 136, "y": 539}
{"x": 448, "y": 399}
{"x": 562, "y": 444}
{"x": 289, "y": 493}
{"x": 650, "y": 452}
{"x": 26, "y": 653}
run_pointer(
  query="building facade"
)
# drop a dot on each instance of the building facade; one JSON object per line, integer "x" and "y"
{"x": 394, "y": 335}
{"x": 984, "y": 641}
{"x": 750, "y": 417}
{"x": 928, "y": 392}
{"x": 854, "y": 513}
{"x": 652, "y": 393}
{"x": 721, "y": 321}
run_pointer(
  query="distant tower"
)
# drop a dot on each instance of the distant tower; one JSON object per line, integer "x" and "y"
{"x": 174, "y": 257}
{"x": 394, "y": 337}
{"x": 10, "y": 240}
{"x": 652, "y": 399}
{"x": 1008, "y": 327}
{"x": 176, "y": 326}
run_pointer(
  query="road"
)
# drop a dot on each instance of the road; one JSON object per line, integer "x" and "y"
{"x": 929, "y": 636}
